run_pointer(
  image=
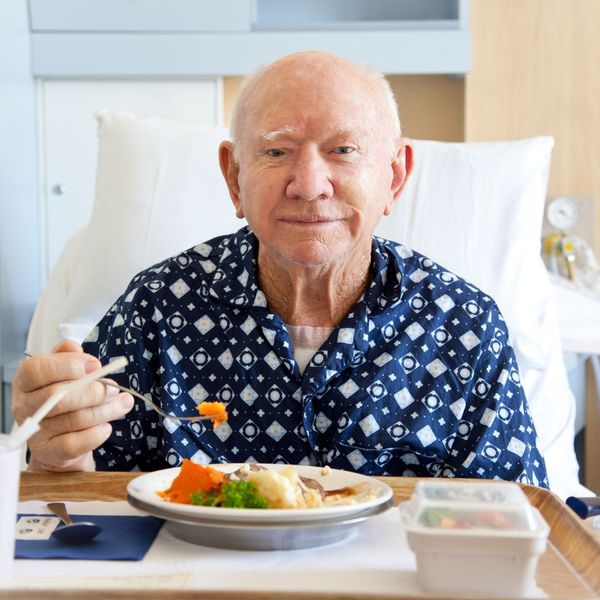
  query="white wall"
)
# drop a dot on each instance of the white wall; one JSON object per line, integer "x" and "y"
{"x": 20, "y": 279}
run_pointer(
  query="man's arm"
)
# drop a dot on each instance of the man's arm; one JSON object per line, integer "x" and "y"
{"x": 79, "y": 422}
{"x": 134, "y": 439}
{"x": 496, "y": 436}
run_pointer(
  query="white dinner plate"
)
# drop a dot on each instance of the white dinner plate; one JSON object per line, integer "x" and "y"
{"x": 146, "y": 487}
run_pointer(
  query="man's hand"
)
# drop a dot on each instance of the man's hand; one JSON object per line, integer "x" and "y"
{"x": 79, "y": 422}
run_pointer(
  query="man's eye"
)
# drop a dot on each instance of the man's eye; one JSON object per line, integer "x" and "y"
{"x": 344, "y": 150}
{"x": 274, "y": 152}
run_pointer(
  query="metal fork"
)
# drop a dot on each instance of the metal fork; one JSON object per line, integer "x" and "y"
{"x": 149, "y": 402}
{"x": 157, "y": 408}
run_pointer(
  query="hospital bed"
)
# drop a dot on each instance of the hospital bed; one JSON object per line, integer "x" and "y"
{"x": 476, "y": 208}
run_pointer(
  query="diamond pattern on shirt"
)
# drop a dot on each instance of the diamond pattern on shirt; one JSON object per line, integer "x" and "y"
{"x": 418, "y": 379}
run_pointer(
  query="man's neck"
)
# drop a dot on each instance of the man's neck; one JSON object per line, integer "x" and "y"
{"x": 317, "y": 296}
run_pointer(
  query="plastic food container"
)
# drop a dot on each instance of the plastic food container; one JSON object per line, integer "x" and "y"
{"x": 474, "y": 538}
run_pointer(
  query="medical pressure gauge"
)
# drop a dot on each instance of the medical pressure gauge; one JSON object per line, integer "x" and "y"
{"x": 562, "y": 213}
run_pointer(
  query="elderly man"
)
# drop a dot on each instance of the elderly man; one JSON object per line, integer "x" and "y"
{"x": 330, "y": 346}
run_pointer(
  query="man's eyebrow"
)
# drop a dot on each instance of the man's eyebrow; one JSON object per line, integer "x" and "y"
{"x": 269, "y": 136}
{"x": 342, "y": 131}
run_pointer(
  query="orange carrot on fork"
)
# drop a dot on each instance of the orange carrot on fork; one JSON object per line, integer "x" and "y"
{"x": 215, "y": 410}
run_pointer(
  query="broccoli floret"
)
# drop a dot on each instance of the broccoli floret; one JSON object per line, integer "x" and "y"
{"x": 205, "y": 498}
{"x": 242, "y": 494}
{"x": 235, "y": 494}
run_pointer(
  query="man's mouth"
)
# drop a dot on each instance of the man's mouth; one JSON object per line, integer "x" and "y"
{"x": 309, "y": 220}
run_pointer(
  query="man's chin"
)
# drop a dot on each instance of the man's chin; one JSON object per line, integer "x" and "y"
{"x": 309, "y": 253}
{"x": 312, "y": 255}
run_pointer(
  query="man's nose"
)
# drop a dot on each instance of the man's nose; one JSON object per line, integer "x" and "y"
{"x": 310, "y": 178}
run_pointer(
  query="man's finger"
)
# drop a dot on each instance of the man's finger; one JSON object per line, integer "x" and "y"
{"x": 85, "y": 418}
{"x": 70, "y": 446}
{"x": 67, "y": 346}
{"x": 38, "y": 372}
{"x": 92, "y": 394}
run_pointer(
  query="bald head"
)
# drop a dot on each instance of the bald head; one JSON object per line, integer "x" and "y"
{"x": 313, "y": 70}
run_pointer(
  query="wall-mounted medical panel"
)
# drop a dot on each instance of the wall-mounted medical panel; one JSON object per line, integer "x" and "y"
{"x": 197, "y": 38}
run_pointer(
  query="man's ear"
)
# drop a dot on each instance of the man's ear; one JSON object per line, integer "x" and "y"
{"x": 402, "y": 166}
{"x": 231, "y": 170}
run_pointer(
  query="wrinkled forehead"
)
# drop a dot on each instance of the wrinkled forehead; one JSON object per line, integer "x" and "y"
{"x": 287, "y": 106}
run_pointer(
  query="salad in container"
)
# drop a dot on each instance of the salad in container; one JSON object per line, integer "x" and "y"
{"x": 474, "y": 537}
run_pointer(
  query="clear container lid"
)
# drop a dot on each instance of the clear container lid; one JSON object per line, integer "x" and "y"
{"x": 468, "y": 492}
{"x": 494, "y": 508}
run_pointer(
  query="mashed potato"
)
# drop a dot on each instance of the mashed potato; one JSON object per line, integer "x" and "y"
{"x": 284, "y": 489}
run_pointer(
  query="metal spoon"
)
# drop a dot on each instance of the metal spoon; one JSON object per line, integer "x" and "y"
{"x": 70, "y": 532}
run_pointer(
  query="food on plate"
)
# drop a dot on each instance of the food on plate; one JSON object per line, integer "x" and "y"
{"x": 255, "y": 486}
{"x": 284, "y": 489}
{"x": 234, "y": 494}
{"x": 216, "y": 410}
{"x": 192, "y": 478}
{"x": 446, "y": 518}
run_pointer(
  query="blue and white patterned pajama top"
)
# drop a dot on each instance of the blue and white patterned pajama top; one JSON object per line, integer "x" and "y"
{"x": 419, "y": 379}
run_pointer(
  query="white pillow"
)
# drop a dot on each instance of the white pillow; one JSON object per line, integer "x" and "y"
{"x": 477, "y": 209}
{"x": 158, "y": 191}
{"x": 50, "y": 312}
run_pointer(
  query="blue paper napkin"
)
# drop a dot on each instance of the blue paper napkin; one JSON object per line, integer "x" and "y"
{"x": 121, "y": 538}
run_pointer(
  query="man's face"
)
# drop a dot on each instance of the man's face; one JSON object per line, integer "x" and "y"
{"x": 317, "y": 168}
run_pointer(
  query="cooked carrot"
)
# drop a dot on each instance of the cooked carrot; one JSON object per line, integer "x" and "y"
{"x": 192, "y": 478}
{"x": 215, "y": 410}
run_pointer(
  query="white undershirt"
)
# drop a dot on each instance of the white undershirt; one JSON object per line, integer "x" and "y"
{"x": 306, "y": 341}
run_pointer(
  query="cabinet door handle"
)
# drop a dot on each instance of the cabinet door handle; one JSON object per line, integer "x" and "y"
{"x": 59, "y": 189}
